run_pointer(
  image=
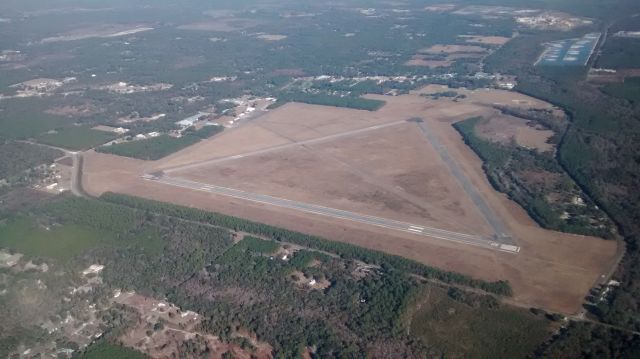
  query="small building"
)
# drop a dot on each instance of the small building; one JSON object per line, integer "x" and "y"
{"x": 191, "y": 120}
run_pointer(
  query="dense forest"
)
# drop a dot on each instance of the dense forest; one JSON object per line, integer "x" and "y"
{"x": 509, "y": 168}
{"x": 600, "y": 151}
{"x": 19, "y": 157}
{"x": 206, "y": 262}
{"x": 344, "y": 250}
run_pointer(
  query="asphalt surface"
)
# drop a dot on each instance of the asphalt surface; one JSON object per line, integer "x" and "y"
{"x": 426, "y": 231}
{"x": 502, "y": 235}
{"x": 279, "y": 147}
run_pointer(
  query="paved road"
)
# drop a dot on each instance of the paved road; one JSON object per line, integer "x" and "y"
{"x": 337, "y": 213}
{"x": 280, "y": 147}
{"x": 490, "y": 216}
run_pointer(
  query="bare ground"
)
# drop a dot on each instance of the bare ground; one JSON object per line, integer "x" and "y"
{"x": 507, "y": 129}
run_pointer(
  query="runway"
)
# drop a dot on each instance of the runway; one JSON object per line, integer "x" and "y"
{"x": 490, "y": 216}
{"x": 480, "y": 241}
{"x": 280, "y": 147}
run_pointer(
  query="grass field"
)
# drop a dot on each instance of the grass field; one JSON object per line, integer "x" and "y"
{"x": 62, "y": 242}
{"x": 105, "y": 350}
{"x": 76, "y": 138}
{"x": 460, "y": 330}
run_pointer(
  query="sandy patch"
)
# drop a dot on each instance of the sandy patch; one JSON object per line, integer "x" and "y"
{"x": 420, "y": 60}
{"x": 453, "y": 49}
{"x": 75, "y": 111}
{"x": 268, "y": 37}
{"x": 485, "y": 40}
{"x": 102, "y": 31}
{"x": 221, "y": 25}
{"x": 508, "y": 129}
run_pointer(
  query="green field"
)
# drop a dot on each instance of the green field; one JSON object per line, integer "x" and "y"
{"x": 58, "y": 242}
{"x": 161, "y": 146}
{"x": 460, "y": 330}
{"x": 76, "y": 138}
{"x": 104, "y": 350}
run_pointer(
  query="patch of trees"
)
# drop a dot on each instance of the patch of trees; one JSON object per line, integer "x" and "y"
{"x": 600, "y": 152}
{"x": 508, "y": 167}
{"x": 245, "y": 289}
{"x": 19, "y": 157}
{"x": 344, "y": 250}
{"x": 161, "y": 146}
{"x": 586, "y": 340}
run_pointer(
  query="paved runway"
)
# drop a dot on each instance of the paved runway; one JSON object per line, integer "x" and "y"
{"x": 430, "y": 232}
{"x": 281, "y": 147}
{"x": 502, "y": 235}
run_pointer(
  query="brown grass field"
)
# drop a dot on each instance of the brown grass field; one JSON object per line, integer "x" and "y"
{"x": 391, "y": 172}
{"x": 485, "y": 40}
